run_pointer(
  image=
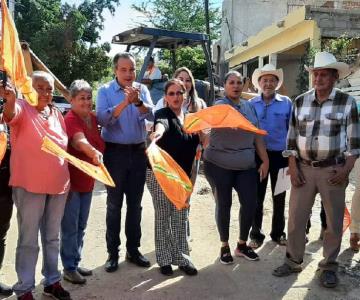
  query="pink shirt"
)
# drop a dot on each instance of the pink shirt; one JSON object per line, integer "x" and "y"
{"x": 31, "y": 168}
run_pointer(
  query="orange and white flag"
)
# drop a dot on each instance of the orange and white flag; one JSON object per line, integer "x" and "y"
{"x": 12, "y": 59}
{"x": 172, "y": 179}
{"x": 347, "y": 219}
{"x": 98, "y": 172}
{"x": 3, "y": 145}
{"x": 218, "y": 116}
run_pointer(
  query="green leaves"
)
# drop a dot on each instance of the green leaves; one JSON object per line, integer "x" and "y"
{"x": 64, "y": 36}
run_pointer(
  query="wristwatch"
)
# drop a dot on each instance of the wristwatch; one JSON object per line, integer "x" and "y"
{"x": 140, "y": 103}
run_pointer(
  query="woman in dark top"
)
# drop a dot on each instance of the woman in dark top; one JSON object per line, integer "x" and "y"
{"x": 229, "y": 163}
{"x": 171, "y": 246}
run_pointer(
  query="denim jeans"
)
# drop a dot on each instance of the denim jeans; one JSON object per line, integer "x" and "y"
{"x": 37, "y": 212}
{"x": 127, "y": 167}
{"x": 73, "y": 227}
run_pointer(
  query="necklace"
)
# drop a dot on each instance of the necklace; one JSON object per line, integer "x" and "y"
{"x": 45, "y": 113}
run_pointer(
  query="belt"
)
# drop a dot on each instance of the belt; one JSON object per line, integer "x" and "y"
{"x": 323, "y": 163}
{"x": 130, "y": 147}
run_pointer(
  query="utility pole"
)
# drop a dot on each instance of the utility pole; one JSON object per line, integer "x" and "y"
{"x": 207, "y": 20}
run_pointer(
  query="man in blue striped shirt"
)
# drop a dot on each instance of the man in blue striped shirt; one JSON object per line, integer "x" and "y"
{"x": 122, "y": 107}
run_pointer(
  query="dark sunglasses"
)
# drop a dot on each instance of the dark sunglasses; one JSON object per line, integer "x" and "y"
{"x": 178, "y": 93}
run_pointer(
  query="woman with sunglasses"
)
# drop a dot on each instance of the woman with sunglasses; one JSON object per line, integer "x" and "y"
{"x": 171, "y": 245}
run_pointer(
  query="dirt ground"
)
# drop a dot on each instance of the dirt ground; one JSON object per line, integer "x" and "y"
{"x": 242, "y": 280}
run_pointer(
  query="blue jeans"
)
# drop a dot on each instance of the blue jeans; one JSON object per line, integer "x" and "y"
{"x": 73, "y": 227}
{"x": 37, "y": 212}
{"x": 127, "y": 167}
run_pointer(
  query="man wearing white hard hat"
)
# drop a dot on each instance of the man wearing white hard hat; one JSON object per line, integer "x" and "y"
{"x": 322, "y": 145}
{"x": 273, "y": 111}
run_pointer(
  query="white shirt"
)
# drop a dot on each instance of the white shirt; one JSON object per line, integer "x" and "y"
{"x": 155, "y": 74}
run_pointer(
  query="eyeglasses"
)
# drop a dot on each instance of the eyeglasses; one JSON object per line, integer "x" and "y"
{"x": 178, "y": 93}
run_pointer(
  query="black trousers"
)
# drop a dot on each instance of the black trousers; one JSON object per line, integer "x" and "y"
{"x": 6, "y": 204}
{"x": 276, "y": 162}
{"x": 222, "y": 181}
{"x": 127, "y": 167}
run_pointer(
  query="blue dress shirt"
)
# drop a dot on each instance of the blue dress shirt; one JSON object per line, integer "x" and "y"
{"x": 274, "y": 118}
{"x": 129, "y": 127}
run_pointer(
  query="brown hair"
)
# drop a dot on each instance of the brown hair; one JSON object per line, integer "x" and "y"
{"x": 195, "y": 101}
{"x": 174, "y": 81}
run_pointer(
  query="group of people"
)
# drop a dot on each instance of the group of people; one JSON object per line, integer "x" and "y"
{"x": 317, "y": 136}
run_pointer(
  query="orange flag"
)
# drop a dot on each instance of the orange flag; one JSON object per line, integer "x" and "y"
{"x": 12, "y": 58}
{"x": 3, "y": 145}
{"x": 347, "y": 219}
{"x": 218, "y": 116}
{"x": 100, "y": 173}
{"x": 172, "y": 179}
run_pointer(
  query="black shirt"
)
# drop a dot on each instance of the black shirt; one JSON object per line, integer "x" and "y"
{"x": 178, "y": 144}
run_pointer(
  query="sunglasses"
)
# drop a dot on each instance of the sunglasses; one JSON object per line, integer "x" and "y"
{"x": 178, "y": 93}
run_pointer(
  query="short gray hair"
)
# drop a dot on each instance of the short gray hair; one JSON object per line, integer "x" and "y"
{"x": 78, "y": 86}
{"x": 36, "y": 75}
{"x": 119, "y": 55}
{"x": 232, "y": 72}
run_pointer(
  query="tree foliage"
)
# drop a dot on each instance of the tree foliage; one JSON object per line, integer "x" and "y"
{"x": 186, "y": 15}
{"x": 64, "y": 36}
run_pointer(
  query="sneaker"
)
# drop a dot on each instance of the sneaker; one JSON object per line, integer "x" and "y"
{"x": 5, "y": 290}
{"x": 243, "y": 250}
{"x": 225, "y": 255}
{"x": 56, "y": 291}
{"x": 74, "y": 277}
{"x": 26, "y": 296}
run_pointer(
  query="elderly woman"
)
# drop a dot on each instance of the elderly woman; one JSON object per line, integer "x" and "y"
{"x": 229, "y": 162}
{"x": 171, "y": 245}
{"x": 192, "y": 102}
{"x": 40, "y": 183}
{"x": 86, "y": 144}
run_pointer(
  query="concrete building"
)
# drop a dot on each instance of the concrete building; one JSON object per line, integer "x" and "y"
{"x": 257, "y": 32}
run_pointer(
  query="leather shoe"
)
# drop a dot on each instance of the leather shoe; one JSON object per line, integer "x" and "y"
{"x": 137, "y": 258}
{"x": 5, "y": 290}
{"x": 166, "y": 270}
{"x": 111, "y": 265}
{"x": 84, "y": 271}
{"x": 189, "y": 269}
{"x": 328, "y": 279}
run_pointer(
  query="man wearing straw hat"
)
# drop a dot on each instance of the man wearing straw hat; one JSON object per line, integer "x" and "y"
{"x": 323, "y": 144}
{"x": 273, "y": 111}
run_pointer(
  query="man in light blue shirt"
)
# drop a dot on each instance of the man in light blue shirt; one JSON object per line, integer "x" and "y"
{"x": 273, "y": 111}
{"x": 122, "y": 107}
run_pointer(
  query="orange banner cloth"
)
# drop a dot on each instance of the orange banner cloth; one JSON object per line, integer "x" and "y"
{"x": 3, "y": 145}
{"x": 98, "y": 172}
{"x": 218, "y": 116}
{"x": 12, "y": 57}
{"x": 172, "y": 179}
{"x": 347, "y": 219}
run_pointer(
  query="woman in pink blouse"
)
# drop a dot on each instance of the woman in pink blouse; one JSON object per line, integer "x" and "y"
{"x": 40, "y": 183}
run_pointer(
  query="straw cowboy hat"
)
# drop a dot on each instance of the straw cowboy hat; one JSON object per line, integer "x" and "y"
{"x": 325, "y": 60}
{"x": 268, "y": 69}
